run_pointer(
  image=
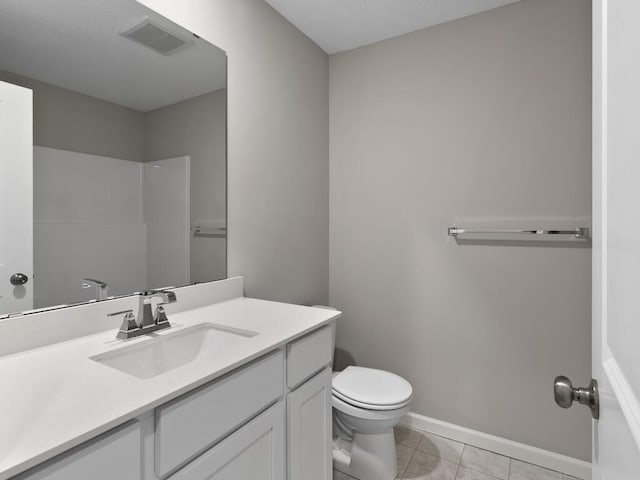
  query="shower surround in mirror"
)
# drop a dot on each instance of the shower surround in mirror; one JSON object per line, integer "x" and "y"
{"x": 129, "y": 149}
{"x": 98, "y": 217}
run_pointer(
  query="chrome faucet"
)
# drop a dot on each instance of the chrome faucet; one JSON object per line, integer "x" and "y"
{"x": 101, "y": 287}
{"x": 151, "y": 321}
{"x": 159, "y": 317}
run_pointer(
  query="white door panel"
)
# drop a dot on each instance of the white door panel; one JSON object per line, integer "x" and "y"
{"x": 616, "y": 243}
{"x": 309, "y": 429}
{"x": 16, "y": 196}
{"x": 254, "y": 452}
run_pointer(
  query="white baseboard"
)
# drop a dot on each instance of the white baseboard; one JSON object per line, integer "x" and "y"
{"x": 526, "y": 453}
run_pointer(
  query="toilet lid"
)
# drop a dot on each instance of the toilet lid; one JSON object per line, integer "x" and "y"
{"x": 368, "y": 387}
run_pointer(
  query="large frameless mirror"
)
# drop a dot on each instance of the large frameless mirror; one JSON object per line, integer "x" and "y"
{"x": 112, "y": 153}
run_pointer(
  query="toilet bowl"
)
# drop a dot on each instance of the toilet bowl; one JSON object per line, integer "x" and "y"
{"x": 367, "y": 404}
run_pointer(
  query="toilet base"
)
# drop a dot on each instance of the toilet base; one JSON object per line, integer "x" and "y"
{"x": 371, "y": 456}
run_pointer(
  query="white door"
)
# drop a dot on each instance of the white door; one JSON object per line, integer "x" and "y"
{"x": 616, "y": 240}
{"x": 16, "y": 198}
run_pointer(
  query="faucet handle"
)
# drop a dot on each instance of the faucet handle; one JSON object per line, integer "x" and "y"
{"x": 129, "y": 323}
{"x": 161, "y": 316}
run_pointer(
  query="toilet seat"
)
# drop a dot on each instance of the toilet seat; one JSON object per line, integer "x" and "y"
{"x": 372, "y": 389}
{"x": 368, "y": 414}
{"x": 368, "y": 406}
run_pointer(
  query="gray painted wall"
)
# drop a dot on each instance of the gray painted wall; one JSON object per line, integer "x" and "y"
{"x": 278, "y": 142}
{"x": 197, "y": 128}
{"x": 486, "y": 116}
{"x": 61, "y": 121}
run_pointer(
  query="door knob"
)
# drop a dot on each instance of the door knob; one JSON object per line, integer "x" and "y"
{"x": 18, "y": 279}
{"x": 565, "y": 394}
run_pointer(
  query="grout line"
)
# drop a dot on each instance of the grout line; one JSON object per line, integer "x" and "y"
{"x": 408, "y": 463}
{"x": 490, "y": 475}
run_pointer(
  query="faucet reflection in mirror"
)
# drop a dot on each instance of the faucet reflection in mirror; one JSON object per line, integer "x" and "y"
{"x": 100, "y": 286}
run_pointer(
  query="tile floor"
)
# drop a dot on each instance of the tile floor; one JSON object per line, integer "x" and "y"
{"x": 424, "y": 456}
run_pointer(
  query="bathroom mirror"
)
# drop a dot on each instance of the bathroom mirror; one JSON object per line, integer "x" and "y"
{"x": 112, "y": 153}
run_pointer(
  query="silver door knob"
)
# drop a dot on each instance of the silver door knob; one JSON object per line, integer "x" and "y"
{"x": 565, "y": 394}
{"x": 18, "y": 279}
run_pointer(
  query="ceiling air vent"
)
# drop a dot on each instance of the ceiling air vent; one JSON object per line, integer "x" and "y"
{"x": 155, "y": 37}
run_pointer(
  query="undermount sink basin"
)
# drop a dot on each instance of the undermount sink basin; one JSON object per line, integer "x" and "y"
{"x": 163, "y": 353}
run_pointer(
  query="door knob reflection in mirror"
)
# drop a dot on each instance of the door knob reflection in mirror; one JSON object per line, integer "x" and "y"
{"x": 565, "y": 394}
{"x": 18, "y": 279}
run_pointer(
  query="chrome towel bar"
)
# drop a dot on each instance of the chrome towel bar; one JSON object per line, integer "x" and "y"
{"x": 580, "y": 232}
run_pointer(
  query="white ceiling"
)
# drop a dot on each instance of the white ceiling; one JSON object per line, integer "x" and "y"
{"x": 338, "y": 25}
{"x": 75, "y": 44}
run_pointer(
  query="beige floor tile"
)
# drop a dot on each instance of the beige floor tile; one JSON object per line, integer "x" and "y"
{"x": 427, "y": 467}
{"x": 526, "y": 471}
{"x": 569, "y": 477}
{"x": 465, "y": 473}
{"x": 485, "y": 462}
{"x": 441, "y": 447}
{"x": 406, "y": 436}
{"x": 403, "y": 454}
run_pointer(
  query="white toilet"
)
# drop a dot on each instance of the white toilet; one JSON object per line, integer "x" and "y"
{"x": 367, "y": 404}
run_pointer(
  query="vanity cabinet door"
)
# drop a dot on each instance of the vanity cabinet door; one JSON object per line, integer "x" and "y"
{"x": 115, "y": 455}
{"x": 191, "y": 424}
{"x": 254, "y": 452}
{"x": 309, "y": 429}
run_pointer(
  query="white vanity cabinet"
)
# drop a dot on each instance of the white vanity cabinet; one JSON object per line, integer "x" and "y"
{"x": 118, "y": 454}
{"x": 192, "y": 423}
{"x": 254, "y": 452}
{"x": 309, "y": 429}
{"x": 269, "y": 419}
{"x": 309, "y": 406}
{"x": 308, "y": 355}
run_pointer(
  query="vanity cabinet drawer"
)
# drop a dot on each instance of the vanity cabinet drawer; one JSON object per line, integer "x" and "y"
{"x": 115, "y": 454}
{"x": 309, "y": 355}
{"x": 254, "y": 452}
{"x": 194, "y": 422}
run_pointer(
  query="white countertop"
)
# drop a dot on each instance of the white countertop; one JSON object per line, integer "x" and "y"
{"x": 55, "y": 397}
